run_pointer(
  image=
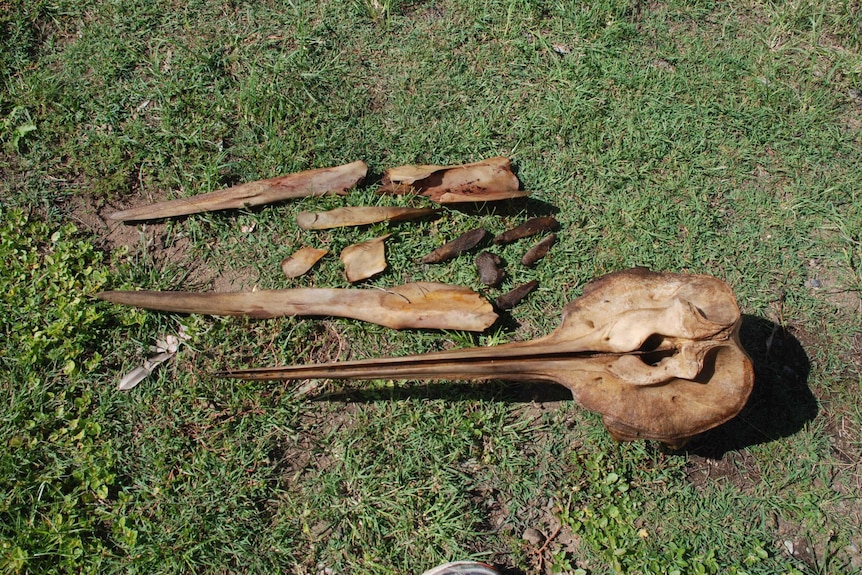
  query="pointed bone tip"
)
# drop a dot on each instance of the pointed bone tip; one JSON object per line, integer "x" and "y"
{"x": 122, "y": 216}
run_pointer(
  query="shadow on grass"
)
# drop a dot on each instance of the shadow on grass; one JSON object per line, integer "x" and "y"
{"x": 780, "y": 403}
{"x": 779, "y": 406}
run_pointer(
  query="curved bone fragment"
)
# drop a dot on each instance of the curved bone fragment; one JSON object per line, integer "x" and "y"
{"x": 415, "y": 305}
{"x": 485, "y": 181}
{"x": 657, "y": 354}
{"x": 359, "y": 216}
{"x": 301, "y": 261}
{"x": 319, "y": 182}
{"x": 365, "y": 259}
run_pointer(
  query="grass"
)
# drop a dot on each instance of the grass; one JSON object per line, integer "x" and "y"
{"x": 686, "y": 136}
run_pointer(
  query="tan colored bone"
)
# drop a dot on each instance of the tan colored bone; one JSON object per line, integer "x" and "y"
{"x": 365, "y": 259}
{"x": 415, "y": 305}
{"x": 657, "y": 354}
{"x": 317, "y": 182}
{"x": 485, "y": 181}
{"x": 301, "y": 261}
{"x": 359, "y": 216}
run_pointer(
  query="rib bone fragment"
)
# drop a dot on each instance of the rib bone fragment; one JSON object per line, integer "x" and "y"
{"x": 317, "y": 182}
{"x": 415, "y": 305}
{"x": 657, "y": 354}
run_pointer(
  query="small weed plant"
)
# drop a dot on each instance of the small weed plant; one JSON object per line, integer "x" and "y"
{"x": 57, "y": 467}
{"x": 608, "y": 508}
{"x": 50, "y": 271}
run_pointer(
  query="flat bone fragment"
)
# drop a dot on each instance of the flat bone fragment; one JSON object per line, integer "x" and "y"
{"x": 301, "y": 261}
{"x": 511, "y": 299}
{"x": 359, "y": 216}
{"x": 486, "y": 181}
{"x": 319, "y": 182}
{"x": 657, "y": 354}
{"x": 464, "y": 242}
{"x": 490, "y": 268}
{"x": 538, "y": 251}
{"x": 423, "y": 305}
{"x": 365, "y": 259}
{"x": 529, "y": 228}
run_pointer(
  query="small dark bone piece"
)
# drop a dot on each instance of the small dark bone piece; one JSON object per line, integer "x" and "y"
{"x": 456, "y": 247}
{"x": 527, "y": 229}
{"x": 657, "y": 354}
{"x": 490, "y": 268}
{"x": 514, "y": 297}
{"x": 539, "y": 250}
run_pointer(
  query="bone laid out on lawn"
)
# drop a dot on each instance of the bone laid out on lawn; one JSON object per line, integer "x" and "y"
{"x": 657, "y": 354}
{"x": 414, "y": 305}
{"x": 319, "y": 182}
{"x": 490, "y": 180}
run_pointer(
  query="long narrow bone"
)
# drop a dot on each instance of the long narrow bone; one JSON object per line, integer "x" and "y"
{"x": 657, "y": 355}
{"x": 317, "y": 182}
{"x": 416, "y": 305}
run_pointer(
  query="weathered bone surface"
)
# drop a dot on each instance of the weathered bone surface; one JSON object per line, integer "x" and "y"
{"x": 317, "y": 182}
{"x": 301, "y": 261}
{"x": 657, "y": 354}
{"x": 486, "y": 181}
{"x": 538, "y": 251}
{"x": 365, "y": 259}
{"x": 490, "y": 267}
{"x": 465, "y": 242}
{"x": 529, "y": 228}
{"x": 513, "y": 297}
{"x": 359, "y": 216}
{"x": 415, "y": 305}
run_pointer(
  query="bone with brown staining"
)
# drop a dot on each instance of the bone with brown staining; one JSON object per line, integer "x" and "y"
{"x": 415, "y": 305}
{"x": 301, "y": 261}
{"x": 657, "y": 354}
{"x": 486, "y": 181}
{"x": 365, "y": 259}
{"x": 464, "y": 242}
{"x": 538, "y": 251}
{"x": 359, "y": 216}
{"x": 490, "y": 268}
{"x": 512, "y": 298}
{"x": 319, "y": 182}
{"x": 529, "y": 228}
